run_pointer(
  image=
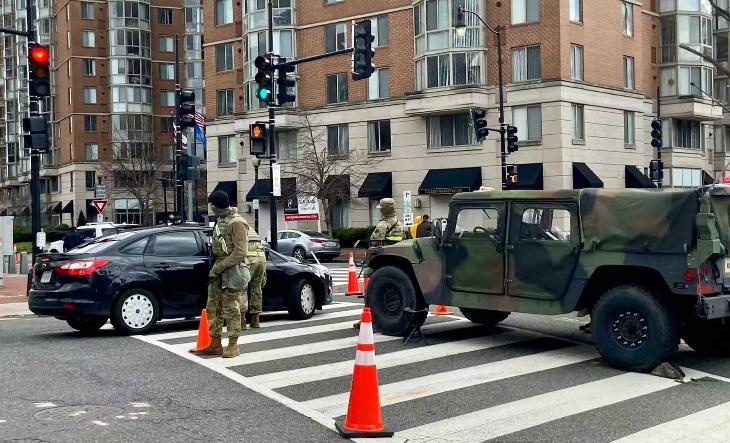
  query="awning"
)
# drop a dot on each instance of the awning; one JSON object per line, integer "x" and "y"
{"x": 56, "y": 209}
{"x": 4, "y": 212}
{"x": 262, "y": 189}
{"x": 229, "y": 187}
{"x": 25, "y": 211}
{"x": 636, "y": 179}
{"x": 337, "y": 187}
{"x": 69, "y": 208}
{"x": 529, "y": 176}
{"x": 48, "y": 210}
{"x": 707, "y": 178}
{"x": 377, "y": 185}
{"x": 451, "y": 181}
{"x": 584, "y": 177}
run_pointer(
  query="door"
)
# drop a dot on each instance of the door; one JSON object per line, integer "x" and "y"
{"x": 474, "y": 255}
{"x": 543, "y": 249}
{"x": 285, "y": 245}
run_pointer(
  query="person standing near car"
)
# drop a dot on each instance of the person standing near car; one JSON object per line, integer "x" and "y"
{"x": 425, "y": 228}
{"x": 72, "y": 239}
{"x": 253, "y": 298}
{"x": 229, "y": 276}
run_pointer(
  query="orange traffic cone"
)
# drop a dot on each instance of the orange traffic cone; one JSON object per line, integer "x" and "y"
{"x": 353, "y": 286}
{"x": 441, "y": 310}
{"x": 364, "y": 287}
{"x": 364, "y": 418}
{"x": 203, "y": 333}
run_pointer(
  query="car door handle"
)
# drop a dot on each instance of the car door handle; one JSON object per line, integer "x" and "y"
{"x": 163, "y": 266}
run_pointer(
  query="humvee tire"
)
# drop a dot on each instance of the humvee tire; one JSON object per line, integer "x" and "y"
{"x": 390, "y": 290}
{"x": 633, "y": 330}
{"x": 711, "y": 337}
{"x": 484, "y": 316}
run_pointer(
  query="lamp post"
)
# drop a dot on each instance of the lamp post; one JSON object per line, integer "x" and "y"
{"x": 256, "y": 162}
{"x": 460, "y": 26}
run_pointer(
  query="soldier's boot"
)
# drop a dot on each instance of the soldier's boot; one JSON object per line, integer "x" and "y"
{"x": 214, "y": 348}
{"x": 232, "y": 348}
{"x": 356, "y": 325}
{"x": 255, "y": 321}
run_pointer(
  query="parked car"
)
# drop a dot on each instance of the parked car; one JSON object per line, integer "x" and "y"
{"x": 91, "y": 231}
{"x": 136, "y": 278}
{"x": 303, "y": 244}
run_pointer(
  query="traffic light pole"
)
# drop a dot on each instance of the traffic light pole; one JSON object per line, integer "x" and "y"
{"x": 179, "y": 197}
{"x": 272, "y": 134}
{"x": 35, "y": 157}
{"x": 659, "y": 150}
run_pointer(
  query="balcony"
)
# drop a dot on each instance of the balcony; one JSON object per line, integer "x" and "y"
{"x": 446, "y": 100}
{"x": 690, "y": 108}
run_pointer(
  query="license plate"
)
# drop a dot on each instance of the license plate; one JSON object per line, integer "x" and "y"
{"x": 727, "y": 266}
{"x": 330, "y": 243}
{"x": 46, "y": 277}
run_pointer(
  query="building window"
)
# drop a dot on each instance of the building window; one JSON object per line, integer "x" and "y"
{"x": 89, "y": 66}
{"x": 688, "y": 134}
{"x": 379, "y": 29}
{"x": 87, "y": 10}
{"x": 227, "y": 149}
{"x": 225, "y": 102}
{"x": 578, "y": 123}
{"x": 167, "y": 71}
{"x": 286, "y": 145}
{"x": 337, "y": 88}
{"x": 463, "y": 68}
{"x": 88, "y": 39}
{"x": 335, "y": 37}
{"x": 90, "y": 180}
{"x": 629, "y": 72}
{"x": 224, "y": 57}
{"x": 700, "y": 77}
{"x": 379, "y": 136}
{"x": 525, "y": 11}
{"x": 379, "y": 84}
{"x": 166, "y": 124}
{"x": 627, "y": 18}
{"x": 164, "y": 16}
{"x": 126, "y": 210}
{"x": 526, "y": 63}
{"x": 339, "y": 214}
{"x": 167, "y": 98}
{"x": 629, "y": 128}
{"x": 167, "y": 44}
{"x": 576, "y": 11}
{"x": 223, "y": 12}
{"x": 528, "y": 120}
{"x": 90, "y": 96}
{"x": 92, "y": 151}
{"x": 450, "y": 130}
{"x": 576, "y": 62}
{"x": 90, "y": 123}
{"x": 338, "y": 140}
{"x": 686, "y": 178}
{"x": 168, "y": 153}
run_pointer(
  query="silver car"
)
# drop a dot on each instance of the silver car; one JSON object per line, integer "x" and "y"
{"x": 303, "y": 244}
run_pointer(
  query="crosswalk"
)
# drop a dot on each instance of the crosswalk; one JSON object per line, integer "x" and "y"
{"x": 469, "y": 383}
{"x": 339, "y": 276}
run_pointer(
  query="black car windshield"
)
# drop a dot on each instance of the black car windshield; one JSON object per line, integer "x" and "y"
{"x": 100, "y": 244}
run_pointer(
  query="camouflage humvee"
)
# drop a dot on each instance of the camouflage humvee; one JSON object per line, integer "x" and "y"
{"x": 649, "y": 265}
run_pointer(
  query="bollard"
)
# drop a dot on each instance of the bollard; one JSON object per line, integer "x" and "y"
{"x": 12, "y": 265}
{"x": 24, "y": 260}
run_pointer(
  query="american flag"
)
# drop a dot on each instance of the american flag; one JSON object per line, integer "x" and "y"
{"x": 200, "y": 128}
{"x": 176, "y": 130}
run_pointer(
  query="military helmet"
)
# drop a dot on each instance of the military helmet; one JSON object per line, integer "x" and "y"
{"x": 387, "y": 207}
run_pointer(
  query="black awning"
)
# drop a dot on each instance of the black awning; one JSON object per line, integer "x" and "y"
{"x": 707, "y": 178}
{"x": 69, "y": 208}
{"x": 529, "y": 176}
{"x": 48, "y": 210}
{"x": 337, "y": 187}
{"x": 25, "y": 211}
{"x": 56, "y": 209}
{"x": 230, "y": 188}
{"x": 262, "y": 189}
{"x": 4, "y": 212}
{"x": 636, "y": 179}
{"x": 584, "y": 177}
{"x": 451, "y": 181}
{"x": 377, "y": 185}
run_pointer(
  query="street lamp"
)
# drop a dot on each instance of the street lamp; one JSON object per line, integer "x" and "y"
{"x": 256, "y": 162}
{"x": 460, "y": 27}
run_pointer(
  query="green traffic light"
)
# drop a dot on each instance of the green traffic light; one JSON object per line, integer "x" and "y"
{"x": 263, "y": 94}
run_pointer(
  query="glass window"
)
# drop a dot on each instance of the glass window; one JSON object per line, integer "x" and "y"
{"x": 525, "y": 11}
{"x": 89, "y": 66}
{"x": 528, "y": 120}
{"x": 175, "y": 244}
{"x": 167, "y": 44}
{"x": 450, "y": 130}
{"x": 135, "y": 248}
{"x": 92, "y": 151}
{"x": 167, "y": 71}
{"x": 379, "y": 29}
{"x": 90, "y": 96}
{"x": 526, "y": 63}
{"x": 629, "y": 72}
{"x": 688, "y": 134}
{"x": 576, "y": 62}
{"x": 578, "y": 123}
{"x": 669, "y": 39}
{"x": 167, "y": 98}
{"x": 88, "y": 39}
{"x": 286, "y": 145}
{"x": 164, "y": 16}
{"x": 686, "y": 178}
{"x": 90, "y": 123}
{"x": 227, "y": 149}
{"x": 694, "y": 80}
{"x": 166, "y": 124}
{"x": 224, "y": 57}
{"x": 545, "y": 224}
{"x": 576, "y": 10}
{"x": 225, "y": 102}
{"x": 337, "y": 88}
{"x": 339, "y": 213}
{"x": 335, "y": 37}
{"x": 379, "y": 84}
{"x": 338, "y": 140}
{"x": 629, "y": 128}
{"x": 627, "y": 17}
{"x": 478, "y": 222}
{"x": 90, "y": 179}
{"x": 379, "y": 136}
{"x": 87, "y": 10}
{"x": 223, "y": 12}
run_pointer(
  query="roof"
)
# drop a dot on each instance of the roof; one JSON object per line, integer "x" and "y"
{"x": 561, "y": 194}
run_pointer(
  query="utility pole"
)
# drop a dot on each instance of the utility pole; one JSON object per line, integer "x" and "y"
{"x": 272, "y": 132}
{"x": 179, "y": 197}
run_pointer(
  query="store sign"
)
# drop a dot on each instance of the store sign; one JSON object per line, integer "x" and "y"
{"x": 301, "y": 209}
{"x": 452, "y": 190}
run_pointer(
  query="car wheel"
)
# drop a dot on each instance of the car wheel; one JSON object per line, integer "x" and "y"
{"x": 711, "y": 337}
{"x": 389, "y": 292}
{"x": 484, "y": 316}
{"x": 302, "y": 300}
{"x": 299, "y": 253}
{"x": 135, "y": 312}
{"x": 86, "y": 325}
{"x": 634, "y": 330}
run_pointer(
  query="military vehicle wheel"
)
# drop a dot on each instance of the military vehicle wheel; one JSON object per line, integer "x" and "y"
{"x": 87, "y": 325}
{"x": 389, "y": 292}
{"x": 711, "y": 337}
{"x": 633, "y": 330}
{"x": 484, "y": 316}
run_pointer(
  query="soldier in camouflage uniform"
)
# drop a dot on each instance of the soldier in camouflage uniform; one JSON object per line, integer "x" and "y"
{"x": 228, "y": 278}
{"x": 252, "y": 300}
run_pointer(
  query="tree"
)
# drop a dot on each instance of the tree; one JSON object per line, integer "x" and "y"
{"x": 81, "y": 220}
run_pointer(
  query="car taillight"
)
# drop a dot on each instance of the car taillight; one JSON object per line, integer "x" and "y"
{"x": 316, "y": 240}
{"x": 80, "y": 268}
{"x": 705, "y": 279}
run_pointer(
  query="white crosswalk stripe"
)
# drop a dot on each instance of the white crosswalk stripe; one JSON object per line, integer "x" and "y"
{"x": 493, "y": 384}
{"x": 340, "y": 276}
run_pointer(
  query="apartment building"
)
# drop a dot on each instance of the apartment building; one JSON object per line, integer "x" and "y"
{"x": 583, "y": 81}
{"x": 113, "y": 83}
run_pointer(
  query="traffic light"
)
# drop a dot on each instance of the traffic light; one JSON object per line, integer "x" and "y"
{"x": 188, "y": 167}
{"x": 512, "y": 139}
{"x": 479, "y": 118}
{"x": 37, "y": 133}
{"x": 257, "y": 136}
{"x": 656, "y": 170}
{"x": 263, "y": 78}
{"x": 656, "y": 133}
{"x": 284, "y": 82}
{"x": 39, "y": 69}
{"x": 186, "y": 108}
{"x": 363, "y": 53}
{"x": 511, "y": 176}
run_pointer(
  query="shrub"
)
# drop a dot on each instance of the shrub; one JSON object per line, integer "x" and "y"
{"x": 23, "y": 233}
{"x": 349, "y": 236}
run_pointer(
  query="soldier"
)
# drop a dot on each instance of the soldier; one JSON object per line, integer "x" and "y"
{"x": 252, "y": 300}
{"x": 228, "y": 278}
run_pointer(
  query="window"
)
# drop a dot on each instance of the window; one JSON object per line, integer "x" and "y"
{"x": 379, "y": 84}
{"x": 469, "y": 220}
{"x": 225, "y": 102}
{"x": 379, "y": 136}
{"x": 700, "y": 77}
{"x": 166, "y": 43}
{"x": 449, "y": 69}
{"x": 545, "y": 224}
{"x": 379, "y": 29}
{"x": 576, "y": 62}
{"x": 628, "y": 72}
{"x": 576, "y": 10}
{"x": 166, "y": 124}
{"x": 135, "y": 248}
{"x": 92, "y": 151}
{"x": 88, "y": 39}
{"x": 335, "y": 37}
{"x": 167, "y": 71}
{"x": 175, "y": 244}
{"x": 629, "y": 129}
{"x": 686, "y": 178}
{"x": 286, "y": 145}
{"x": 688, "y": 134}
{"x": 90, "y": 96}
{"x": 528, "y": 120}
{"x": 167, "y": 98}
{"x": 87, "y": 11}
{"x": 90, "y": 123}
{"x": 578, "y": 122}
{"x": 450, "y": 130}
{"x": 337, "y": 88}
{"x": 339, "y": 214}
{"x": 227, "y": 149}
{"x": 224, "y": 57}
{"x": 89, "y": 66}
{"x": 627, "y": 17}
{"x": 338, "y": 140}
{"x": 525, "y": 11}
{"x": 164, "y": 16}
{"x": 223, "y": 12}
{"x": 90, "y": 179}
{"x": 526, "y": 63}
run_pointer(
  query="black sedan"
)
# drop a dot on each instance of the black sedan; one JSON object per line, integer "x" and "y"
{"x": 136, "y": 278}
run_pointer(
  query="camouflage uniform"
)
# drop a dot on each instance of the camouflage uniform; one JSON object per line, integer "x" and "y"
{"x": 252, "y": 300}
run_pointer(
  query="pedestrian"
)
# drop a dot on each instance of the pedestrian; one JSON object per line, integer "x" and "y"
{"x": 425, "y": 228}
{"x": 229, "y": 276}
{"x": 72, "y": 239}
{"x": 252, "y": 300}
{"x": 388, "y": 231}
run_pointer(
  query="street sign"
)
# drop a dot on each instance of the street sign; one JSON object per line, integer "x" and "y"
{"x": 407, "y": 208}
{"x": 306, "y": 209}
{"x": 100, "y": 192}
{"x": 255, "y": 204}
{"x": 40, "y": 239}
{"x": 100, "y": 205}
{"x": 408, "y": 218}
{"x": 276, "y": 182}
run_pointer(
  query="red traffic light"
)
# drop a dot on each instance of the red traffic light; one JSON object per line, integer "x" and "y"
{"x": 39, "y": 54}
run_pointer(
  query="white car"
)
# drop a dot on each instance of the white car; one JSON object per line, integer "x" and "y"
{"x": 90, "y": 231}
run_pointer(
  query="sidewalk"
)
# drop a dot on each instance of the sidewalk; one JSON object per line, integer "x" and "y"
{"x": 13, "y": 300}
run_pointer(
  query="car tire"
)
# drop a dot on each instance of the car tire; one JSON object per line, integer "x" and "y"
{"x": 135, "y": 312}
{"x": 389, "y": 292}
{"x": 634, "y": 330}
{"x": 87, "y": 325}
{"x": 484, "y": 316}
{"x": 302, "y": 300}
{"x": 299, "y": 253}
{"x": 710, "y": 337}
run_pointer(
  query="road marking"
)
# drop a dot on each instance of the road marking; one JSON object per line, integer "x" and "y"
{"x": 45, "y": 405}
{"x": 140, "y": 405}
{"x": 100, "y": 423}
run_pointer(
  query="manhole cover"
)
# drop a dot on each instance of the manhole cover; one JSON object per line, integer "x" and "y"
{"x": 78, "y": 412}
